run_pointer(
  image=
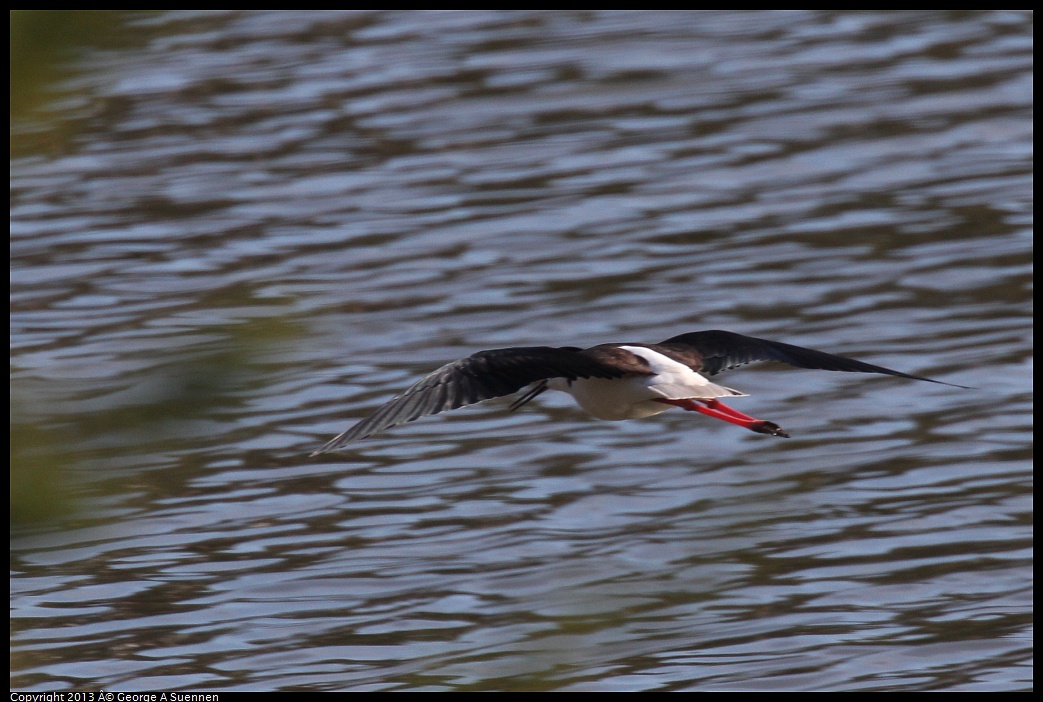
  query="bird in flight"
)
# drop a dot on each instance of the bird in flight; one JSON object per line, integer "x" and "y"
{"x": 609, "y": 381}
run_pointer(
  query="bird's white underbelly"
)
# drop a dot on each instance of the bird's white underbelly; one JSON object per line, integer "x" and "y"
{"x": 634, "y": 397}
{"x": 617, "y": 399}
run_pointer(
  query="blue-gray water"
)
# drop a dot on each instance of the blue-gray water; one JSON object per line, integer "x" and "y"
{"x": 248, "y": 229}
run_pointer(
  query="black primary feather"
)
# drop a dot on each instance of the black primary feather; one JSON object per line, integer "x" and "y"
{"x": 722, "y": 350}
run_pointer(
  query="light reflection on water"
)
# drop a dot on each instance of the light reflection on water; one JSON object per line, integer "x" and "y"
{"x": 272, "y": 222}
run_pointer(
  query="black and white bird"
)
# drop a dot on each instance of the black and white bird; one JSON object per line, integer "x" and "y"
{"x": 609, "y": 381}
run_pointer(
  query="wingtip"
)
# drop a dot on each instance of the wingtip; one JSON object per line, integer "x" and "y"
{"x": 328, "y": 447}
{"x": 340, "y": 441}
{"x": 951, "y": 385}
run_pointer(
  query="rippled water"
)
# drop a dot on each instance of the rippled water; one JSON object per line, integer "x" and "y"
{"x": 246, "y": 230}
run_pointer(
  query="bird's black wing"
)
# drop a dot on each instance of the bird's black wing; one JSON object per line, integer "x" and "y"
{"x": 482, "y": 376}
{"x": 721, "y": 350}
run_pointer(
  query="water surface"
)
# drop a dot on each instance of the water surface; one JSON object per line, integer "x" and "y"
{"x": 246, "y": 230}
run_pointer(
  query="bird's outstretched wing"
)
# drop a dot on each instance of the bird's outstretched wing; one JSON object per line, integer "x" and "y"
{"x": 482, "y": 376}
{"x": 721, "y": 350}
